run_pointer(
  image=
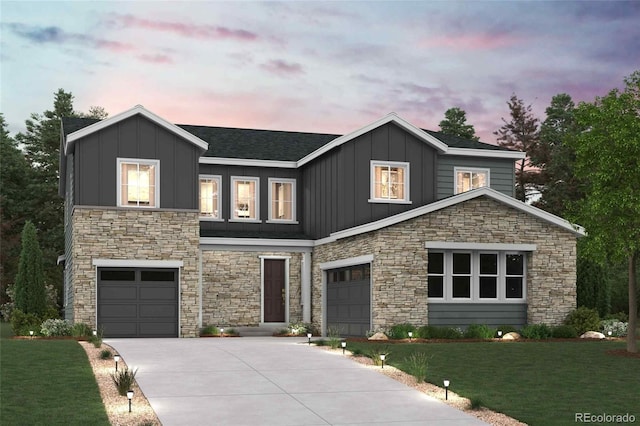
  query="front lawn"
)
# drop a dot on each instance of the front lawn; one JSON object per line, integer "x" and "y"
{"x": 539, "y": 383}
{"x": 47, "y": 382}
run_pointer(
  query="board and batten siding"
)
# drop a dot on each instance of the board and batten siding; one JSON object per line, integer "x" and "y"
{"x": 501, "y": 175}
{"x": 136, "y": 137}
{"x": 464, "y": 314}
{"x": 337, "y": 186}
{"x": 263, "y": 173}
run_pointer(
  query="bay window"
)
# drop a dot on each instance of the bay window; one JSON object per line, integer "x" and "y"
{"x": 138, "y": 182}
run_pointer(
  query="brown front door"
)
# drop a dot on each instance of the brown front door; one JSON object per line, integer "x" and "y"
{"x": 274, "y": 292}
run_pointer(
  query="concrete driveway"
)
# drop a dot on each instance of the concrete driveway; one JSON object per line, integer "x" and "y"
{"x": 271, "y": 381}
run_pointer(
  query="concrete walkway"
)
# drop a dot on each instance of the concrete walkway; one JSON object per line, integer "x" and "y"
{"x": 271, "y": 381}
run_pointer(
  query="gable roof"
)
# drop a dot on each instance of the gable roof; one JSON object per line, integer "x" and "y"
{"x": 91, "y": 126}
{"x": 451, "y": 201}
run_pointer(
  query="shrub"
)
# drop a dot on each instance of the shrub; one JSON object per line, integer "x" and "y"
{"x": 401, "y": 331}
{"x": 105, "y": 354}
{"x": 231, "y": 332}
{"x": 475, "y": 403}
{"x": 617, "y": 328}
{"x": 564, "y": 332}
{"x": 29, "y": 287}
{"x": 417, "y": 365}
{"x": 300, "y": 328}
{"x": 375, "y": 352}
{"x": 124, "y": 380}
{"x": 583, "y": 319}
{"x": 479, "y": 331}
{"x": 620, "y": 316}
{"x": 22, "y": 323}
{"x": 536, "y": 331}
{"x": 210, "y": 330}
{"x": 334, "y": 337}
{"x": 97, "y": 338}
{"x": 81, "y": 329}
{"x": 426, "y": 332}
{"x": 55, "y": 327}
{"x": 448, "y": 333}
{"x": 356, "y": 352}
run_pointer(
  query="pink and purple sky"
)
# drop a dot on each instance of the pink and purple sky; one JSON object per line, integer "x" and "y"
{"x": 326, "y": 67}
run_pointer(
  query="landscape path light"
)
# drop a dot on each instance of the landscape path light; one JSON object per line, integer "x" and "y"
{"x": 410, "y": 335}
{"x": 222, "y": 332}
{"x": 31, "y": 333}
{"x": 382, "y": 358}
{"x": 309, "y": 337}
{"x": 446, "y": 389}
{"x": 95, "y": 332}
{"x": 609, "y": 333}
{"x": 344, "y": 345}
{"x": 130, "y": 397}
{"x": 499, "y": 334}
{"x": 116, "y": 358}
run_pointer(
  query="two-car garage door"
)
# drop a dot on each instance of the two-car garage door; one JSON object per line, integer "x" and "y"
{"x": 138, "y": 302}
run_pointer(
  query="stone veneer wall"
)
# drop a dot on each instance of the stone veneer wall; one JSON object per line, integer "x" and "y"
{"x": 231, "y": 293}
{"x": 399, "y": 268}
{"x": 135, "y": 234}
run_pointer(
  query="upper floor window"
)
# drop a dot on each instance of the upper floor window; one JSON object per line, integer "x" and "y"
{"x": 138, "y": 182}
{"x": 389, "y": 182}
{"x": 468, "y": 179}
{"x": 245, "y": 198}
{"x": 282, "y": 200}
{"x": 459, "y": 276}
{"x": 210, "y": 196}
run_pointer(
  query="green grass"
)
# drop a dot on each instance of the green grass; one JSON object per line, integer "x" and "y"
{"x": 47, "y": 382}
{"x": 539, "y": 383}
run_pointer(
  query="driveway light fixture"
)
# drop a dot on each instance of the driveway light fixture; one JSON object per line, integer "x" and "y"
{"x": 95, "y": 332}
{"x": 609, "y": 333}
{"x": 116, "y": 358}
{"x": 446, "y": 389}
{"x": 410, "y": 335}
{"x": 309, "y": 337}
{"x": 222, "y": 332}
{"x": 344, "y": 345}
{"x": 130, "y": 396}
{"x": 499, "y": 334}
{"x": 31, "y": 333}
{"x": 382, "y": 358}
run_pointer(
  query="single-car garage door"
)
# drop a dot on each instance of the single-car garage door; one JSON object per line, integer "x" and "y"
{"x": 138, "y": 302}
{"x": 349, "y": 300}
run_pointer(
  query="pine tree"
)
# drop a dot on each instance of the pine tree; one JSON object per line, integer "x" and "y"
{"x": 30, "y": 292}
{"x": 455, "y": 123}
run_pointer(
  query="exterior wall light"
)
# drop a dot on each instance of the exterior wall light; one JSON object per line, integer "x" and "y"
{"x": 446, "y": 389}
{"x": 382, "y": 358}
{"x": 130, "y": 397}
{"x": 344, "y": 345}
{"x": 116, "y": 358}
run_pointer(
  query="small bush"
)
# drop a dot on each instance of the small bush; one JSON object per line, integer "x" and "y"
{"x": 475, "y": 403}
{"x": 536, "y": 331}
{"x": 22, "y": 323}
{"x": 55, "y": 327}
{"x": 356, "y": 352}
{"x": 401, "y": 331}
{"x": 479, "y": 331}
{"x": 210, "y": 330}
{"x": 80, "y": 329}
{"x": 320, "y": 342}
{"x": 448, "y": 333}
{"x": 97, "y": 338}
{"x": 620, "y": 316}
{"x": 375, "y": 352}
{"x": 425, "y": 332}
{"x": 583, "y": 319}
{"x": 300, "y": 328}
{"x": 617, "y": 328}
{"x": 334, "y": 337}
{"x": 417, "y": 365}
{"x": 564, "y": 332}
{"x": 124, "y": 380}
{"x": 231, "y": 332}
{"x": 105, "y": 354}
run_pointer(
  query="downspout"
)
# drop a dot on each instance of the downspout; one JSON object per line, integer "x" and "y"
{"x": 305, "y": 274}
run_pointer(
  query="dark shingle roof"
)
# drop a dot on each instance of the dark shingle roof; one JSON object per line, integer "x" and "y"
{"x": 227, "y": 142}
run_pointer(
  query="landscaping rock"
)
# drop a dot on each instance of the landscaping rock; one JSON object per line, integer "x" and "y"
{"x": 592, "y": 335}
{"x": 379, "y": 336}
{"x": 511, "y": 336}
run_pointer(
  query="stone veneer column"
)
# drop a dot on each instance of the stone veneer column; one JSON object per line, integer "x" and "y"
{"x": 135, "y": 234}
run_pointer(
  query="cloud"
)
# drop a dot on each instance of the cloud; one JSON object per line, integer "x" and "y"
{"x": 56, "y": 35}
{"x": 156, "y": 59}
{"x": 465, "y": 42}
{"x": 207, "y": 32}
{"x": 282, "y": 68}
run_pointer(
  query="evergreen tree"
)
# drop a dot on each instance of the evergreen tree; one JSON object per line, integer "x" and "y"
{"x": 455, "y": 123}
{"x": 520, "y": 133}
{"x": 30, "y": 292}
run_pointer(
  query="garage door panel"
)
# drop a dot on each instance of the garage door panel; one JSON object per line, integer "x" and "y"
{"x": 120, "y": 311}
{"x": 157, "y": 293}
{"x": 159, "y": 311}
{"x": 154, "y": 329}
{"x": 117, "y": 293}
{"x": 120, "y": 329}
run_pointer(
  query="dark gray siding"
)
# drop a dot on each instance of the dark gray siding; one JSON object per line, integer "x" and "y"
{"x": 67, "y": 300}
{"x": 264, "y": 173}
{"x": 338, "y": 183}
{"x": 464, "y": 314}
{"x": 136, "y": 137}
{"x": 502, "y": 173}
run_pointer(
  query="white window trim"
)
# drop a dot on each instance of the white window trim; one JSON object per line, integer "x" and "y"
{"x": 232, "y": 205}
{"x": 475, "y": 278}
{"x": 293, "y": 219}
{"x": 399, "y": 164}
{"x": 208, "y": 218}
{"x": 138, "y": 161}
{"x": 456, "y": 170}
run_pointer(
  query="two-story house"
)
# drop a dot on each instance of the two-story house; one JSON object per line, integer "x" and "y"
{"x": 171, "y": 227}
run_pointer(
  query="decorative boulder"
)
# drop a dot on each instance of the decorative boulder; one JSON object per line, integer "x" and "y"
{"x": 379, "y": 336}
{"x": 592, "y": 335}
{"x": 511, "y": 336}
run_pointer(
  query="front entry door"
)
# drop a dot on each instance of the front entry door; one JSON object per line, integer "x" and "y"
{"x": 274, "y": 291}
